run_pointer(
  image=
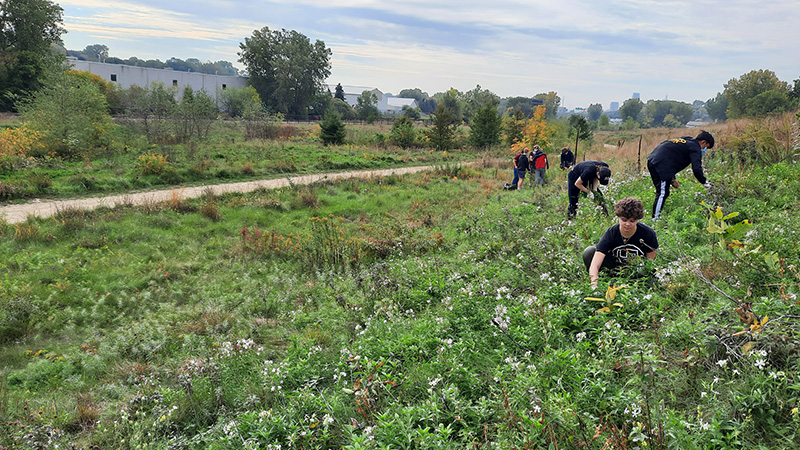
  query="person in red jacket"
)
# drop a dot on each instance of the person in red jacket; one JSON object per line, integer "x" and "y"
{"x": 539, "y": 164}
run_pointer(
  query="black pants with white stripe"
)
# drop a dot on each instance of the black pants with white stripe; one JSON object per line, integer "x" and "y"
{"x": 662, "y": 190}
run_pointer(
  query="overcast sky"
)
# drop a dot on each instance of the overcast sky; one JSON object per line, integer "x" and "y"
{"x": 588, "y": 51}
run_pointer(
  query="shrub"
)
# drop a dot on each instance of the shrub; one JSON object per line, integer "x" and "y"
{"x": 151, "y": 163}
{"x": 40, "y": 181}
{"x": 20, "y": 142}
{"x": 9, "y": 191}
{"x": 70, "y": 114}
{"x": 332, "y": 131}
{"x": 403, "y": 133}
{"x": 210, "y": 210}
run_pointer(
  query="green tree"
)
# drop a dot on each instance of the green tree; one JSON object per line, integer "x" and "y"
{"x": 193, "y": 116}
{"x": 70, "y": 112}
{"x": 717, "y": 107}
{"x": 443, "y": 128}
{"x": 451, "y": 100}
{"x": 150, "y": 108}
{"x": 416, "y": 93}
{"x": 27, "y": 30}
{"x": 403, "y": 133}
{"x": 767, "y": 102}
{"x": 411, "y": 113}
{"x": 603, "y": 122}
{"x": 632, "y": 107}
{"x": 657, "y": 110}
{"x": 237, "y": 101}
{"x": 286, "y": 69}
{"x": 344, "y": 109}
{"x": 580, "y": 128}
{"x": 594, "y": 112}
{"x": 331, "y": 129}
{"x": 740, "y": 90}
{"x": 366, "y": 108}
{"x": 476, "y": 99}
{"x": 513, "y": 127}
{"x": 521, "y": 104}
{"x": 485, "y": 127}
{"x": 339, "y": 92}
{"x": 551, "y": 103}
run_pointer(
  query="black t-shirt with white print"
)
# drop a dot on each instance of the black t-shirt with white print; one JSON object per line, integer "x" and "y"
{"x": 619, "y": 250}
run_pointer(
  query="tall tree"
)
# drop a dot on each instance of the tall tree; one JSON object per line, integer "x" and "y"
{"x": 631, "y": 108}
{"x": 657, "y": 110}
{"x": 27, "y": 29}
{"x": 739, "y": 92}
{"x": 476, "y": 99}
{"x": 442, "y": 132}
{"x": 286, "y": 69}
{"x": 551, "y": 103}
{"x": 452, "y": 100}
{"x": 366, "y": 107}
{"x": 339, "y": 92}
{"x": 594, "y": 112}
{"x": 485, "y": 127}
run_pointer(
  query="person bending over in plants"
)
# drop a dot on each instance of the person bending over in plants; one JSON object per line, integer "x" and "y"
{"x": 672, "y": 156}
{"x": 567, "y": 158}
{"x": 622, "y": 243}
{"x": 585, "y": 177}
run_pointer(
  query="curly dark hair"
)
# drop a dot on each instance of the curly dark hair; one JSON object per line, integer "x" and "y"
{"x": 629, "y": 208}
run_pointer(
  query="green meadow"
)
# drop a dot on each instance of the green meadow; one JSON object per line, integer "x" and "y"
{"x": 432, "y": 310}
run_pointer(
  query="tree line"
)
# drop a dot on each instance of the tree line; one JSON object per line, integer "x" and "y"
{"x": 288, "y": 72}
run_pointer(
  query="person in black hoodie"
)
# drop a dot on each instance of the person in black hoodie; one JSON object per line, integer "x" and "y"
{"x": 567, "y": 158}
{"x": 671, "y": 157}
{"x": 585, "y": 177}
{"x": 522, "y": 167}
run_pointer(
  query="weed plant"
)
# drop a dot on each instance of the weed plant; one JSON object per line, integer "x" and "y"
{"x": 428, "y": 311}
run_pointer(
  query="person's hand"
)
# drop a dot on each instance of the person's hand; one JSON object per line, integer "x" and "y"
{"x": 675, "y": 183}
{"x": 590, "y": 194}
{"x": 707, "y": 185}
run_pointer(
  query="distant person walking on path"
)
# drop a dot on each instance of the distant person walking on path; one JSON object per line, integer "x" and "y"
{"x": 567, "y": 158}
{"x": 623, "y": 242}
{"x": 585, "y": 177}
{"x": 671, "y": 157}
{"x": 539, "y": 164}
{"x": 522, "y": 167}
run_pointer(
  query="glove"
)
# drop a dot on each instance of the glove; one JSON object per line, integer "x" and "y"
{"x": 590, "y": 195}
{"x": 707, "y": 185}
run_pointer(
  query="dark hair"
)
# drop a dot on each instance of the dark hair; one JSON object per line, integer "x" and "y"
{"x": 706, "y": 136}
{"x": 629, "y": 208}
{"x": 603, "y": 174}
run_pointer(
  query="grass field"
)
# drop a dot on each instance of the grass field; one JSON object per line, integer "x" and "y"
{"x": 427, "y": 311}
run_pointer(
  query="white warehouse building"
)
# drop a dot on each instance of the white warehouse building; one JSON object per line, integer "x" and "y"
{"x": 127, "y": 76}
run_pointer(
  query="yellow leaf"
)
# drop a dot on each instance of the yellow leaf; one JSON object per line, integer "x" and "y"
{"x": 764, "y": 320}
{"x": 748, "y": 347}
{"x": 611, "y": 293}
{"x": 618, "y": 304}
{"x": 604, "y": 309}
{"x": 314, "y": 424}
{"x": 595, "y": 299}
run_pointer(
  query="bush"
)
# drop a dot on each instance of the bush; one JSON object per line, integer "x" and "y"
{"x": 403, "y": 133}
{"x": 151, "y": 164}
{"x": 70, "y": 114}
{"x": 332, "y": 131}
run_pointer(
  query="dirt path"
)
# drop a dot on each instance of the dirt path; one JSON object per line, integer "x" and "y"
{"x": 20, "y": 213}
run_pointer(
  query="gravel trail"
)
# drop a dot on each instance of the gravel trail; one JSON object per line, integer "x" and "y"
{"x": 46, "y": 208}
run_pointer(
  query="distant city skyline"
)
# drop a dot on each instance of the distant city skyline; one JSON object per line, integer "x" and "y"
{"x": 588, "y": 52}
